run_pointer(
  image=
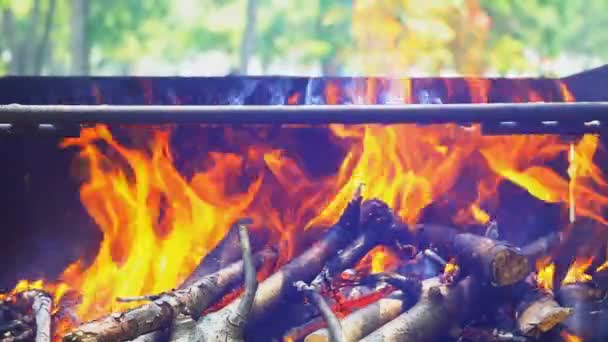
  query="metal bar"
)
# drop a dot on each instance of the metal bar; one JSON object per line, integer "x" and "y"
{"x": 580, "y": 112}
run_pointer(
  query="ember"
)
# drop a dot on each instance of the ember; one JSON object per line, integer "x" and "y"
{"x": 450, "y": 217}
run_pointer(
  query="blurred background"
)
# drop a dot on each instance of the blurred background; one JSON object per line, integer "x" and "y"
{"x": 302, "y": 37}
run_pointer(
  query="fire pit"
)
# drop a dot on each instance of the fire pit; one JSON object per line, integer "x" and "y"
{"x": 299, "y": 209}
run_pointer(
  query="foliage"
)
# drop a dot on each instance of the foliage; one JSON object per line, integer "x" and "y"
{"x": 341, "y": 36}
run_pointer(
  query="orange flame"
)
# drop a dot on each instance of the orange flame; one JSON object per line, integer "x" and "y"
{"x": 142, "y": 251}
{"x": 377, "y": 260}
{"x": 577, "y": 273}
{"x": 545, "y": 273}
{"x": 568, "y": 337}
{"x": 56, "y": 291}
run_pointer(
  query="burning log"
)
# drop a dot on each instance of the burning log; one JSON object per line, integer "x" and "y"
{"x": 537, "y": 311}
{"x": 385, "y": 229}
{"x": 496, "y": 261}
{"x": 363, "y": 322}
{"x": 474, "y": 334}
{"x": 304, "y": 267}
{"x": 439, "y": 307}
{"x": 42, "y": 304}
{"x": 334, "y": 327}
{"x": 233, "y": 321}
{"x": 161, "y": 313}
{"x": 589, "y": 310}
{"x": 542, "y": 246}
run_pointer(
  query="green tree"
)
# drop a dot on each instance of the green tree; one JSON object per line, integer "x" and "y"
{"x": 551, "y": 28}
{"x": 26, "y": 31}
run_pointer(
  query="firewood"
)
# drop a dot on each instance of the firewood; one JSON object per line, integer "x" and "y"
{"x": 333, "y": 323}
{"x": 542, "y": 246}
{"x": 477, "y": 334}
{"x": 494, "y": 260}
{"x": 384, "y": 230}
{"x": 362, "y": 322}
{"x": 440, "y": 307}
{"x": 42, "y": 304}
{"x": 160, "y": 313}
{"x": 590, "y": 310}
{"x": 537, "y": 311}
{"x": 233, "y": 321}
{"x": 304, "y": 267}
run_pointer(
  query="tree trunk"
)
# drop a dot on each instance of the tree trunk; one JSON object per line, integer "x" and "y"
{"x": 44, "y": 39}
{"x": 249, "y": 36}
{"x": 8, "y": 29}
{"x": 80, "y": 39}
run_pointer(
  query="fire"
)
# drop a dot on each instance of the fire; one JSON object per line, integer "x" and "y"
{"x": 577, "y": 273}
{"x": 545, "y": 273}
{"x": 159, "y": 217}
{"x": 149, "y": 214}
{"x": 56, "y": 291}
{"x": 568, "y": 337}
{"x": 378, "y": 260}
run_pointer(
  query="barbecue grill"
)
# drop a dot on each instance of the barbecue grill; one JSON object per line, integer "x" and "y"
{"x": 304, "y": 209}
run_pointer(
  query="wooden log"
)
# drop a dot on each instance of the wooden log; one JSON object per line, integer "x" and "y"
{"x": 160, "y": 314}
{"x": 381, "y": 227}
{"x": 334, "y": 327}
{"x": 542, "y": 246}
{"x": 537, "y": 311}
{"x": 42, "y": 305}
{"x": 232, "y": 322}
{"x": 304, "y": 267}
{"x": 439, "y": 308}
{"x": 362, "y": 322}
{"x": 495, "y": 261}
{"x": 477, "y": 334}
{"x": 590, "y": 310}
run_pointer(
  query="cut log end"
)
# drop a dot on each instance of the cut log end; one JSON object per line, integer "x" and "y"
{"x": 509, "y": 267}
{"x": 541, "y": 316}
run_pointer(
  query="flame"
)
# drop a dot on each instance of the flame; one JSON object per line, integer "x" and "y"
{"x": 56, "y": 291}
{"x": 126, "y": 200}
{"x": 577, "y": 273}
{"x": 545, "y": 273}
{"x": 379, "y": 259}
{"x": 568, "y": 337}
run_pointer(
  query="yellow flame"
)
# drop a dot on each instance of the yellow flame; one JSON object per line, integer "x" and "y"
{"x": 545, "y": 273}
{"x": 577, "y": 273}
{"x": 568, "y": 337}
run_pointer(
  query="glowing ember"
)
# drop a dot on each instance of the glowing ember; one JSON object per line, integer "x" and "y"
{"x": 451, "y": 267}
{"x": 567, "y": 337}
{"x": 577, "y": 273}
{"x": 545, "y": 273}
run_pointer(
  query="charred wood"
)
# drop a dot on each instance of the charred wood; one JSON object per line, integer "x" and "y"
{"x": 273, "y": 290}
{"x": 233, "y": 321}
{"x": 160, "y": 314}
{"x": 439, "y": 308}
{"x": 496, "y": 261}
{"x": 537, "y": 311}
{"x": 334, "y": 327}
{"x": 378, "y": 226}
{"x": 475, "y": 334}
{"x": 542, "y": 246}
{"x": 590, "y": 310}
{"x": 362, "y": 322}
